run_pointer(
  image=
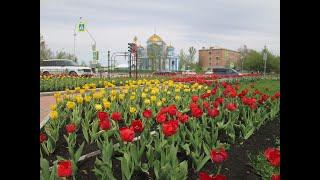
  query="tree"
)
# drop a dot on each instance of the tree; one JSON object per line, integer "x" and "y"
{"x": 192, "y": 52}
{"x": 45, "y": 52}
{"x": 83, "y": 63}
{"x": 65, "y": 55}
{"x": 254, "y": 62}
{"x": 182, "y": 59}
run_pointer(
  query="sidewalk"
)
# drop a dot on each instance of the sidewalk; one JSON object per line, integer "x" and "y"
{"x": 45, "y": 103}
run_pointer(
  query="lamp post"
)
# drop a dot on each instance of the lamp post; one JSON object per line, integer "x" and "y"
{"x": 265, "y": 60}
{"x": 242, "y": 59}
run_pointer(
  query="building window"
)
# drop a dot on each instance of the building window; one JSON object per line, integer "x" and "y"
{"x": 210, "y": 58}
{"x": 209, "y": 52}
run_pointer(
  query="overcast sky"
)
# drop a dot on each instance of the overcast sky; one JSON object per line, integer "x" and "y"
{"x": 184, "y": 23}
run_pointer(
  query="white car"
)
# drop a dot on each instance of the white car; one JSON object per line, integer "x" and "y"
{"x": 189, "y": 72}
{"x": 63, "y": 66}
{"x": 208, "y": 72}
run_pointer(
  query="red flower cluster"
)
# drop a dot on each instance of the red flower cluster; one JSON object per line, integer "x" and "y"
{"x": 263, "y": 98}
{"x": 137, "y": 126}
{"x": 64, "y": 168}
{"x": 71, "y": 128}
{"x": 243, "y": 93}
{"x": 205, "y": 176}
{"x": 43, "y": 137}
{"x": 127, "y": 134}
{"x": 161, "y": 118}
{"x": 275, "y": 96}
{"x": 116, "y": 116}
{"x": 273, "y": 156}
{"x": 218, "y": 155}
{"x": 169, "y": 128}
{"x": 104, "y": 122}
{"x": 229, "y": 91}
{"x": 251, "y": 102}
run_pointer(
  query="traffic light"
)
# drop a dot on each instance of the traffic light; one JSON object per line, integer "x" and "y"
{"x": 132, "y": 47}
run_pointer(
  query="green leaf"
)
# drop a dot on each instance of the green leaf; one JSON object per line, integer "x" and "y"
{"x": 202, "y": 163}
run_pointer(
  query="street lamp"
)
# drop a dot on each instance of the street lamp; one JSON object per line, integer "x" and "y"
{"x": 265, "y": 59}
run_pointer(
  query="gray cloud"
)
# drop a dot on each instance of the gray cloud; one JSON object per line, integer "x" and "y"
{"x": 226, "y": 23}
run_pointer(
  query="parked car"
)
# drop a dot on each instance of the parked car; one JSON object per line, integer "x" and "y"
{"x": 189, "y": 72}
{"x": 225, "y": 71}
{"x": 63, "y": 66}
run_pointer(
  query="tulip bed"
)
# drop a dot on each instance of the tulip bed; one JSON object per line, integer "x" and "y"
{"x": 163, "y": 130}
{"x": 267, "y": 163}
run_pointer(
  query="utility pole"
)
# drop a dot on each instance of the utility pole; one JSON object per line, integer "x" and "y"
{"x": 109, "y": 64}
{"x": 265, "y": 60}
{"x": 130, "y": 65}
{"x": 136, "y": 64}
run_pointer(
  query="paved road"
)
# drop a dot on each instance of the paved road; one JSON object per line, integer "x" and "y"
{"x": 45, "y": 103}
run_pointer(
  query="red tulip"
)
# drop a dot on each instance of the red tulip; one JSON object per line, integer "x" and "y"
{"x": 219, "y": 177}
{"x": 275, "y": 96}
{"x": 43, "y": 137}
{"x": 205, "y": 95}
{"x": 127, "y": 134}
{"x": 193, "y": 105}
{"x": 220, "y": 100}
{"x": 116, "y": 116}
{"x": 273, "y": 156}
{"x": 231, "y": 106}
{"x": 195, "y": 99}
{"x": 103, "y": 116}
{"x": 263, "y": 98}
{"x": 205, "y": 176}
{"x": 216, "y": 104}
{"x": 64, "y": 168}
{"x": 147, "y": 113}
{"x": 196, "y": 112}
{"x": 205, "y": 104}
{"x": 137, "y": 126}
{"x": 218, "y": 156}
{"x": 164, "y": 110}
{"x": 183, "y": 118}
{"x": 169, "y": 128}
{"x": 275, "y": 177}
{"x": 71, "y": 128}
{"x": 172, "y": 110}
{"x": 105, "y": 124}
{"x": 213, "y": 112}
{"x": 161, "y": 118}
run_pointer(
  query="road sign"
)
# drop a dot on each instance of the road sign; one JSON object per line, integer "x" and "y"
{"x": 231, "y": 65}
{"x": 95, "y": 55}
{"x": 81, "y": 26}
{"x": 265, "y": 56}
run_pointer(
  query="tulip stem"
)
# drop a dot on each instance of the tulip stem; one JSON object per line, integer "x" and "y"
{"x": 219, "y": 169}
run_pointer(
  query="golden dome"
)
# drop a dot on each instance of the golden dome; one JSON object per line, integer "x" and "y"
{"x": 155, "y": 38}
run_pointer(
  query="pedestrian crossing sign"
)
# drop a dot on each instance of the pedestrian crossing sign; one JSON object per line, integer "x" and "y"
{"x": 81, "y": 26}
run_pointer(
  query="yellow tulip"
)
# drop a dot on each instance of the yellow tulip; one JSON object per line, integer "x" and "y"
{"x": 132, "y": 97}
{"x": 107, "y": 104}
{"x": 53, "y": 107}
{"x": 79, "y": 99}
{"x": 98, "y": 107}
{"x": 133, "y": 110}
{"x": 53, "y": 115}
{"x": 177, "y": 98}
{"x": 146, "y": 101}
{"x": 70, "y": 105}
{"x": 153, "y": 98}
{"x": 159, "y": 103}
{"x": 87, "y": 98}
{"x": 121, "y": 96}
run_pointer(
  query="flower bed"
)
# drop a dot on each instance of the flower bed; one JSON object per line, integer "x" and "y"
{"x": 191, "y": 124}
